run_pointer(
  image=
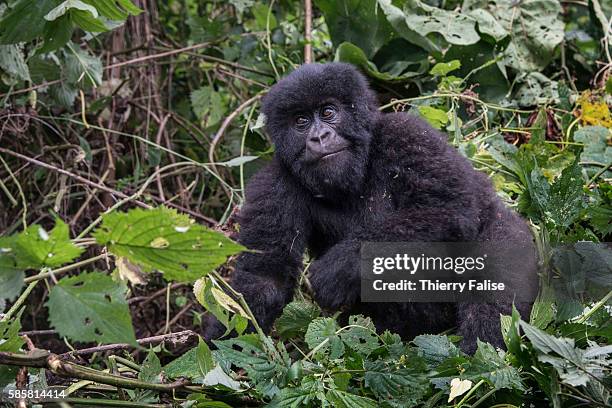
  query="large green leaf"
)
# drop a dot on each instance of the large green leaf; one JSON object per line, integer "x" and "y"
{"x": 91, "y": 307}
{"x": 596, "y": 148}
{"x": 342, "y": 399}
{"x": 207, "y": 105}
{"x": 13, "y": 63}
{"x": 24, "y": 22}
{"x": 295, "y": 318}
{"x": 358, "y": 22}
{"x": 391, "y": 379}
{"x": 491, "y": 365}
{"x": 83, "y": 68}
{"x": 161, "y": 239}
{"x": 535, "y": 27}
{"x": 361, "y": 335}
{"x": 248, "y": 352}
{"x": 321, "y": 335}
{"x": 456, "y": 28}
{"x": 352, "y": 54}
{"x": 35, "y": 247}
{"x": 435, "y": 349}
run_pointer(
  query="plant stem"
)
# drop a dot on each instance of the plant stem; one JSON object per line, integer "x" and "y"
{"x": 63, "y": 269}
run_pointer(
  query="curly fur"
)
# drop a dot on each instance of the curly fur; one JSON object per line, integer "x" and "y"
{"x": 401, "y": 181}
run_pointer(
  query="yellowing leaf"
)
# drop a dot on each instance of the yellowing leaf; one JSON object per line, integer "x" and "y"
{"x": 228, "y": 303}
{"x": 594, "y": 110}
{"x": 129, "y": 271}
{"x": 160, "y": 242}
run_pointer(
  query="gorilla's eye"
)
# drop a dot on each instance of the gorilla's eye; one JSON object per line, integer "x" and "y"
{"x": 301, "y": 121}
{"x": 328, "y": 112}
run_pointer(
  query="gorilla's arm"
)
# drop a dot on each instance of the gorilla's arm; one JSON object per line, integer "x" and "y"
{"x": 276, "y": 230}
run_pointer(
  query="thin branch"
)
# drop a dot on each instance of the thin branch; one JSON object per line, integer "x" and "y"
{"x": 308, "y": 31}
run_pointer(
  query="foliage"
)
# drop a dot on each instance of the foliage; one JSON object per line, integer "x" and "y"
{"x": 112, "y": 105}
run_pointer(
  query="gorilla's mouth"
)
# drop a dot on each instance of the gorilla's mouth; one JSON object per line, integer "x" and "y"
{"x": 332, "y": 154}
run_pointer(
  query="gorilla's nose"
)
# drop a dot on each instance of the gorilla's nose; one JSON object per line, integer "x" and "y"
{"x": 321, "y": 137}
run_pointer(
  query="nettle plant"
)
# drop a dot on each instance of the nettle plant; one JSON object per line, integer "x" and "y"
{"x": 311, "y": 360}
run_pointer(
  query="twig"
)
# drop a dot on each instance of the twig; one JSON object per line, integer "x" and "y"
{"x": 308, "y": 31}
{"x": 178, "y": 337}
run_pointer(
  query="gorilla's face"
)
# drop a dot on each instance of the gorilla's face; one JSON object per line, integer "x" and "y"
{"x": 320, "y": 120}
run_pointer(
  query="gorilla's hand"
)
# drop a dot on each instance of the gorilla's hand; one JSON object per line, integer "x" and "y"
{"x": 335, "y": 277}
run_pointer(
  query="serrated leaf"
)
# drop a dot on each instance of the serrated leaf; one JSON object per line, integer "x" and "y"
{"x": 310, "y": 391}
{"x": 83, "y": 68}
{"x": 91, "y": 307}
{"x": 341, "y": 399}
{"x": 248, "y": 352}
{"x": 35, "y": 247}
{"x": 361, "y": 336}
{"x": 390, "y": 379}
{"x": 191, "y": 251}
{"x": 321, "y": 334}
{"x": 207, "y": 105}
{"x": 295, "y": 318}
{"x": 491, "y": 365}
{"x": 151, "y": 368}
{"x": 435, "y": 349}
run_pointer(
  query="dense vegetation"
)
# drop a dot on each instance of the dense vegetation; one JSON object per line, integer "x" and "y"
{"x": 129, "y": 128}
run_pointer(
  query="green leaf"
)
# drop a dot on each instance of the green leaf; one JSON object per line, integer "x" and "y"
{"x": 161, "y": 239}
{"x": 534, "y": 25}
{"x": 11, "y": 276}
{"x": 310, "y": 391}
{"x": 436, "y": 117}
{"x": 87, "y": 22}
{"x": 390, "y": 379}
{"x": 341, "y": 399}
{"x": 321, "y": 334}
{"x": 358, "y": 22}
{"x": 35, "y": 247}
{"x": 91, "y": 307}
{"x": 361, "y": 336}
{"x": 347, "y": 52}
{"x": 487, "y": 24}
{"x": 83, "y": 68}
{"x": 295, "y": 319}
{"x": 13, "y": 63}
{"x": 596, "y": 148}
{"x": 566, "y": 197}
{"x": 56, "y": 34}
{"x": 185, "y": 366}
{"x": 456, "y": 28}
{"x": 491, "y": 365}
{"x": 207, "y": 105}
{"x": 204, "y": 358}
{"x": 63, "y": 8}
{"x": 435, "y": 349}
{"x": 151, "y": 369}
{"x": 543, "y": 311}
{"x": 443, "y": 68}
{"x": 23, "y": 22}
{"x": 248, "y": 352}
{"x": 10, "y": 341}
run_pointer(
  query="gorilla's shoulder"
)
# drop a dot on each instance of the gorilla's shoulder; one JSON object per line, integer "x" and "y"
{"x": 402, "y": 127}
{"x": 270, "y": 181}
{"x": 405, "y": 135}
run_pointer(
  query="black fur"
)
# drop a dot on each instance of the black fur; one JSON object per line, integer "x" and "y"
{"x": 399, "y": 181}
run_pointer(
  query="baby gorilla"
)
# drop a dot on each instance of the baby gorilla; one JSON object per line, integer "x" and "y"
{"x": 344, "y": 173}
